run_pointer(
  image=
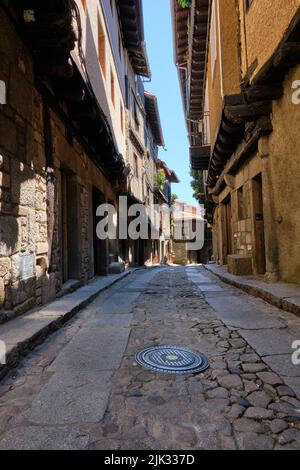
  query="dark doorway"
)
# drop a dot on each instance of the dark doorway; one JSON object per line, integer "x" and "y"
{"x": 141, "y": 257}
{"x": 228, "y": 224}
{"x": 259, "y": 230}
{"x": 100, "y": 246}
{"x": 70, "y": 227}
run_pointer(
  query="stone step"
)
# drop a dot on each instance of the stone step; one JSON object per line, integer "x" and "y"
{"x": 21, "y": 335}
{"x": 280, "y": 294}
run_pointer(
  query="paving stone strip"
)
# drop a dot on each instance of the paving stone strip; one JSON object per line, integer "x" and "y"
{"x": 283, "y": 295}
{"x": 229, "y": 406}
{"x": 21, "y": 335}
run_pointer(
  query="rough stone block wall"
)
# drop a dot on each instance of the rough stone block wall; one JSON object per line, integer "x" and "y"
{"x": 23, "y": 207}
{"x": 180, "y": 253}
{"x": 31, "y": 271}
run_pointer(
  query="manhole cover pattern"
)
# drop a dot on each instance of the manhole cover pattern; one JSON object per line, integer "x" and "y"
{"x": 172, "y": 360}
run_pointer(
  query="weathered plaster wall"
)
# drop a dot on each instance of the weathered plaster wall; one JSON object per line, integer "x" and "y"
{"x": 229, "y": 46}
{"x": 264, "y": 21}
{"x": 223, "y": 77}
{"x": 214, "y": 79}
{"x": 284, "y": 161}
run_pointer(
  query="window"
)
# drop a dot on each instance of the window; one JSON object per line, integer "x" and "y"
{"x": 248, "y": 4}
{"x": 135, "y": 112}
{"x": 120, "y": 47}
{"x": 101, "y": 47}
{"x": 126, "y": 92}
{"x": 136, "y": 166}
{"x": 112, "y": 86}
{"x": 84, "y": 4}
{"x": 122, "y": 117}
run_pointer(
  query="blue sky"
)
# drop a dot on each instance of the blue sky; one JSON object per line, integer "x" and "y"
{"x": 165, "y": 85}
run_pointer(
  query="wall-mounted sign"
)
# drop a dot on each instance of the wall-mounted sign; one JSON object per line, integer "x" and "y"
{"x": 2, "y": 92}
{"x": 26, "y": 265}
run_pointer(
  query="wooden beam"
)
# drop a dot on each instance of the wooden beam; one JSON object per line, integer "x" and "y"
{"x": 248, "y": 112}
{"x": 272, "y": 91}
{"x": 287, "y": 55}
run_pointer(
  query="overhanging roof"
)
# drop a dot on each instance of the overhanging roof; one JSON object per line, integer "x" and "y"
{"x": 154, "y": 118}
{"x": 181, "y": 21}
{"x": 200, "y": 157}
{"x": 191, "y": 26}
{"x": 131, "y": 19}
{"x": 246, "y": 116}
{"x": 58, "y": 78}
{"x": 198, "y": 53}
{"x": 170, "y": 174}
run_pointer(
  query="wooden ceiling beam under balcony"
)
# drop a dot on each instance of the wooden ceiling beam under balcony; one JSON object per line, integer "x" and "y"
{"x": 131, "y": 21}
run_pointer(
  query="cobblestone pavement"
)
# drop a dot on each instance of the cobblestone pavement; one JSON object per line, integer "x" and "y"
{"x": 59, "y": 399}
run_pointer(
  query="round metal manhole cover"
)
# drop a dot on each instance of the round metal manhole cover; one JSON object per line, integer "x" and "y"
{"x": 172, "y": 360}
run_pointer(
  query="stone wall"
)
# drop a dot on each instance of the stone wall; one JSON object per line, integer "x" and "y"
{"x": 180, "y": 253}
{"x": 284, "y": 176}
{"x": 264, "y": 19}
{"x": 240, "y": 199}
{"x": 277, "y": 161}
{"x": 31, "y": 248}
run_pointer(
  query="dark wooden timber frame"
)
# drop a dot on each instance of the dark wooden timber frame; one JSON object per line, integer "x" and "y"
{"x": 199, "y": 157}
{"x": 153, "y": 117}
{"x": 246, "y": 116}
{"x": 170, "y": 174}
{"x": 131, "y": 20}
{"x": 51, "y": 39}
{"x": 198, "y": 56}
{"x": 191, "y": 28}
{"x": 191, "y": 32}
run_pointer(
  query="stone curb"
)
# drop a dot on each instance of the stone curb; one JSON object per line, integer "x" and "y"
{"x": 15, "y": 352}
{"x": 277, "y": 301}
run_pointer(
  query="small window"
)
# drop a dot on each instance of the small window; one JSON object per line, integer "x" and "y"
{"x": 122, "y": 117}
{"x": 248, "y": 4}
{"x": 120, "y": 47}
{"x": 136, "y": 166}
{"x": 101, "y": 47}
{"x": 135, "y": 112}
{"x": 112, "y": 86}
{"x": 126, "y": 92}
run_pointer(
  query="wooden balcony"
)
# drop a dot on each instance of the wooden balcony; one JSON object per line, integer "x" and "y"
{"x": 200, "y": 157}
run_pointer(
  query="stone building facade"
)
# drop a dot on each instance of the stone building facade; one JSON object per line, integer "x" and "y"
{"x": 249, "y": 77}
{"x": 185, "y": 218}
{"x": 63, "y": 141}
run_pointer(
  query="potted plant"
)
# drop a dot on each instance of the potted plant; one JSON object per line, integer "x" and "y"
{"x": 185, "y": 3}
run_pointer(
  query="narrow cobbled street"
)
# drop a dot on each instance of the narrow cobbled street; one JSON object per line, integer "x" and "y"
{"x": 82, "y": 388}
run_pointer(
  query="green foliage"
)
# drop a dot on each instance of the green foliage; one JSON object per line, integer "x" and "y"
{"x": 185, "y": 3}
{"x": 174, "y": 198}
{"x": 197, "y": 183}
{"x": 160, "y": 178}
